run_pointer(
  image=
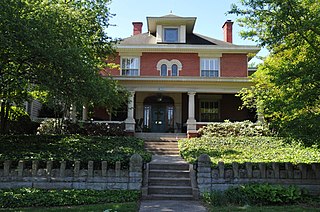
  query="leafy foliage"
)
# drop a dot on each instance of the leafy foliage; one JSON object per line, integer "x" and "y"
{"x": 245, "y": 128}
{"x": 287, "y": 85}
{"x": 256, "y": 194}
{"x": 247, "y": 149}
{"x": 110, "y": 149}
{"x": 57, "y": 48}
{"x": 51, "y": 127}
{"x": 31, "y": 197}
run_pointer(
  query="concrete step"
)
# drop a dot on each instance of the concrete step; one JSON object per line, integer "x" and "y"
{"x": 169, "y": 166}
{"x": 181, "y": 190}
{"x": 162, "y": 181}
{"x": 155, "y": 145}
{"x": 168, "y": 197}
{"x": 169, "y": 173}
{"x": 167, "y": 153}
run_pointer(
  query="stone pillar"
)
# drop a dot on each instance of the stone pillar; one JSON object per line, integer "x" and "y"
{"x": 191, "y": 122}
{"x": 84, "y": 113}
{"x": 130, "y": 122}
{"x": 135, "y": 172}
{"x": 204, "y": 173}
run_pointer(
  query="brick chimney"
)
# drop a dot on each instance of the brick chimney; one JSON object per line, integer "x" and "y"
{"x": 227, "y": 31}
{"x": 137, "y": 28}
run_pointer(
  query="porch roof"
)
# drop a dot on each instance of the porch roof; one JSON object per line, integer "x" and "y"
{"x": 184, "y": 84}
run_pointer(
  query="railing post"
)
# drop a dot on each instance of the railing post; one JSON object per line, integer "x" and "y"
{"x": 135, "y": 172}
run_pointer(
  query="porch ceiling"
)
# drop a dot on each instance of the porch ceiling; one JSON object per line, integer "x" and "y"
{"x": 184, "y": 84}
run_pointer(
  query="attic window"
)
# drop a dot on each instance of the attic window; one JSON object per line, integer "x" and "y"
{"x": 171, "y": 35}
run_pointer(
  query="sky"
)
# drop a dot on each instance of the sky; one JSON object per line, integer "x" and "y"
{"x": 211, "y": 15}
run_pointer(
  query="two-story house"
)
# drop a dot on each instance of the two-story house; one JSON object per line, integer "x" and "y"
{"x": 179, "y": 80}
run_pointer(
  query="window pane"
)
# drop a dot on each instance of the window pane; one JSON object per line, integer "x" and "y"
{"x": 209, "y": 67}
{"x": 174, "y": 70}
{"x": 163, "y": 70}
{"x": 171, "y": 35}
{"x": 209, "y": 110}
{"x": 130, "y": 66}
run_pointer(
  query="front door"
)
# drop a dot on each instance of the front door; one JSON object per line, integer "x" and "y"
{"x": 158, "y": 118}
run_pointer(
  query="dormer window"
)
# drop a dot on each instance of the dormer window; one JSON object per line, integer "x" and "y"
{"x": 171, "y": 35}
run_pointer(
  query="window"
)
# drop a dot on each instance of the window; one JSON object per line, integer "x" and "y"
{"x": 174, "y": 70}
{"x": 130, "y": 66}
{"x": 209, "y": 110}
{"x": 146, "y": 116}
{"x": 164, "y": 70}
{"x": 210, "y": 67}
{"x": 171, "y": 35}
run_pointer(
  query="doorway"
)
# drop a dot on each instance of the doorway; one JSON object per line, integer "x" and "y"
{"x": 159, "y": 114}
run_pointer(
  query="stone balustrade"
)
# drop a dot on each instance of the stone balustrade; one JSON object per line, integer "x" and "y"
{"x": 221, "y": 177}
{"x": 71, "y": 174}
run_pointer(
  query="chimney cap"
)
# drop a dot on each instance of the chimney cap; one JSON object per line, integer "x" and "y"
{"x": 227, "y": 22}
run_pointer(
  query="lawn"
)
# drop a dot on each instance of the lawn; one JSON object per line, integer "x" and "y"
{"x": 247, "y": 149}
{"x": 110, "y": 207}
{"x": 291, "y": 208}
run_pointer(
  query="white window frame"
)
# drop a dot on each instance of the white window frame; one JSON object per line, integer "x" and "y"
{"x": 135, "y": 68}
{"x": 210, "y": 62}
{"x": 171, "y": 27}
{"x": 209, "y": 101}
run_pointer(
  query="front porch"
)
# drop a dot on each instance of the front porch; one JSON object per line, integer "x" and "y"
{"x": 175, "y": 113}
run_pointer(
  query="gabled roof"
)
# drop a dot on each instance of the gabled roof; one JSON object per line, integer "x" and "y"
{"x": 170, "y": 20}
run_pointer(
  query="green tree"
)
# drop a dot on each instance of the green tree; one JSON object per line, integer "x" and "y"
{"x": 56, "y": 47}
{"x": 287, "y": 84}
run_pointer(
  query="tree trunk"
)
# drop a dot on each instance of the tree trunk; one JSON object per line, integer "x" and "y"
{"x": 3, "y": 121}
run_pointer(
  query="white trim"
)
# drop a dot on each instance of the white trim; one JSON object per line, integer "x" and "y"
{"x": 188, "y": 48}
{"x": 209, "y": 55}
{"x": 130, "y": 54}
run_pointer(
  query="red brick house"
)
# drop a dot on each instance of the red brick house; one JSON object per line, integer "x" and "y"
{"x": 179, "y": 80}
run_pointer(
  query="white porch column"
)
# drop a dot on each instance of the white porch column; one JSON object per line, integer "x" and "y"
{"x": 73, "y": 114}
{"x": 191, "y": 122}
{"x": 130, "y": 122}
{"x": 84, "y": 113}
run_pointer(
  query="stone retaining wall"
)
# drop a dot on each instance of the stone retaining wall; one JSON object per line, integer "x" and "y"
{"x": 220, "y": 178}
{"x": 71, "y": 175}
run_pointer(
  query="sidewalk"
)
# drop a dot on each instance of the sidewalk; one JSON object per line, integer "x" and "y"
{"x": 171, "y": 206}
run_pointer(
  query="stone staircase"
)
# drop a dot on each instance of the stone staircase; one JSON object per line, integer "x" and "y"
{"x": 168, "y": 176}
{"x": 162, "y": 147}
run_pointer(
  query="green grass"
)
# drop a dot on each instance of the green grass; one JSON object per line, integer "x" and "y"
{"x": 74, "y": 147}
{"x": 247, "y": 149}
{"x": 119, "y": 207}
{"x": 289, "y": 208}
{"x": 32, "y": 197}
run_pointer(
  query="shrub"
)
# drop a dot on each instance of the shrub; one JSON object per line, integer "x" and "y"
{"x": 54, "y": 127}
{"x": 256, "y": 194}
{"x": 32, "y": 197}
{"x": 50, "y": 127}
{"x": 110, "y": 149}
{"x": 245, "y": 128}
{"x": 247, "y": 149}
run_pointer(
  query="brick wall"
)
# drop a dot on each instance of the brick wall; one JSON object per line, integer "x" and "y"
{"x": 231, "y": 65}
{"x": 234, "y": 65}
{"x": 190, "y": 63}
